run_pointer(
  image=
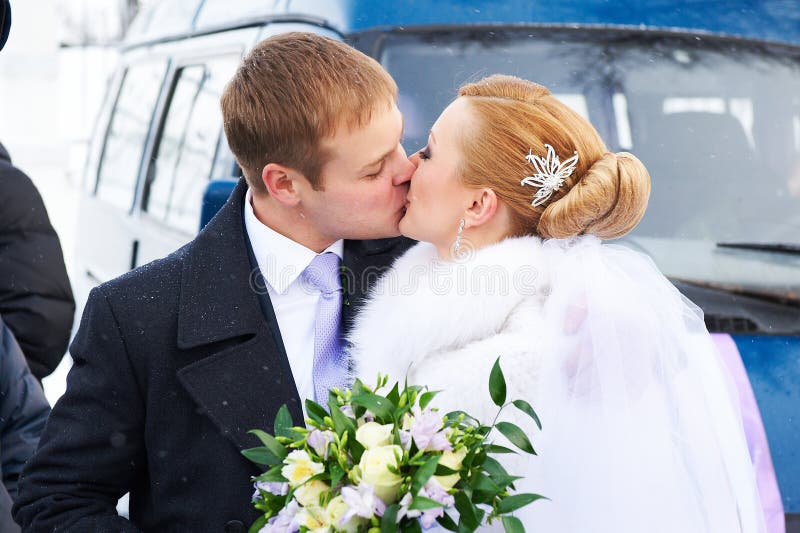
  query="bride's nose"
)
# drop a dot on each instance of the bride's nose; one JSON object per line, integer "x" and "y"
{"x": 414, "y": 158}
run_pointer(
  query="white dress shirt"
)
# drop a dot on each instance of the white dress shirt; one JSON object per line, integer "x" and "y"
{"x": 281, "y": 261}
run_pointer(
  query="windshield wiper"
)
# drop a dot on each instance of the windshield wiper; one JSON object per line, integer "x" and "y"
{"x": 784, "y": 248}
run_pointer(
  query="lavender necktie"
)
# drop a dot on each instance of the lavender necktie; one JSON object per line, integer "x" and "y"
{"x": 330, "y": 365}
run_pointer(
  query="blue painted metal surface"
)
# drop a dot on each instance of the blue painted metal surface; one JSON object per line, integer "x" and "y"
{"x": 214, "y": 198}
{"x": 773, "y": 365}
{"x": 771, "y": 20}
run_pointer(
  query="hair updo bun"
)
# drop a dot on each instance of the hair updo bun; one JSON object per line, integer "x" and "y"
{"x": 607, "y": 202}
{"x": 605, "y": 196}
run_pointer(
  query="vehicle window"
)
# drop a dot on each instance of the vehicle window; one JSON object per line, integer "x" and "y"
{"x": 715, "y": 120}
{"x": 127, "y": 134}
{"x": 185, "y": 157}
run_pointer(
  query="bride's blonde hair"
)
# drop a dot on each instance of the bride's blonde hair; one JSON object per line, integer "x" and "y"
{"x": 606, "y": 195}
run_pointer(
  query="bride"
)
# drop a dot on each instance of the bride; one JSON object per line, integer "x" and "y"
{"x": 510, "y": 201}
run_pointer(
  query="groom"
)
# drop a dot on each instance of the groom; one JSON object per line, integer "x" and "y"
{"x": 176, "y": 361}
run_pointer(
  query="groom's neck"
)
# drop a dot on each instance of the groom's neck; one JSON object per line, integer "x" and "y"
{"x": 289, "y": 222}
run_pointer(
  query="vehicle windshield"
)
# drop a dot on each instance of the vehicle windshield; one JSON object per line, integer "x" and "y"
{"x": 715, "y": 120}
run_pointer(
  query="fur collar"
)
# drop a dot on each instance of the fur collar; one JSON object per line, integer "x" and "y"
{"x": 424, "y": 305}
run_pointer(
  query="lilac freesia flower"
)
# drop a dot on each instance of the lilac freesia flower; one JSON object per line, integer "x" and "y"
{"x": 275, "y": 487}
{"x": 405, "y": 439}
{"x": 284, "y": 521}
{"x": 319, "y": 441}
{"x": 425, "y": 429}
{"x": 437, "y": 493}
{"x": 347, "y": 409}
{"x": 361, "y": 501}
{"x": 404, "y": 511}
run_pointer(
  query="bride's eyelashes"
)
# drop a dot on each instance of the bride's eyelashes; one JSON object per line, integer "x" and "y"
{"x": 425, "y": 153}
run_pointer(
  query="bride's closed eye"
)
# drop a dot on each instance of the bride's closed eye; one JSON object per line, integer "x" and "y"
{"x": 425, "y": 153}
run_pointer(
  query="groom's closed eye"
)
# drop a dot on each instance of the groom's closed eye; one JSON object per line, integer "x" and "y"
{"x": 375, "y": 174}
{"x": 425, "y": 153}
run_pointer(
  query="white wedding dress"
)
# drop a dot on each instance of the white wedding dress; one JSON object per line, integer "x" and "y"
{"x": 641, "y": 430}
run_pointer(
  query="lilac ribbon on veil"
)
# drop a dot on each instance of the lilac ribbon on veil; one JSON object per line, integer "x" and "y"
{"x": 755, "y": 435}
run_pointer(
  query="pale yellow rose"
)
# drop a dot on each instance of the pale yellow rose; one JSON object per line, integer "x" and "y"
{"x": 308, "y": 493}
{"x": 334, "y": 513}
{"x": 373, "y": 435}
{"x": 299, "y": 468}
{"x": 451, "y": 460}
{"x": 374, "y": 470}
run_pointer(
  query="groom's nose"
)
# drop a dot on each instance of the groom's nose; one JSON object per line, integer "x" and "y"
{"x": 404, "y": 172}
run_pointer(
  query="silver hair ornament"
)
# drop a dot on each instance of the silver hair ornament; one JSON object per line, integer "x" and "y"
{"x": 550, "y": 175}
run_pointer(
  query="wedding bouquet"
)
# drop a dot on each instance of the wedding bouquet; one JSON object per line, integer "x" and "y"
{"x": 381, "y": 463}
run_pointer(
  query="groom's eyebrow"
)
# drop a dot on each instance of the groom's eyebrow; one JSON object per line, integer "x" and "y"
{"x": 387, "y": 154}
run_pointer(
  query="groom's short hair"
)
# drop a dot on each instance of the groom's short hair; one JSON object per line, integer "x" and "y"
{"x": 292, "y": 91}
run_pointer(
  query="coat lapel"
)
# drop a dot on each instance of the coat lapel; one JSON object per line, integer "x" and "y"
{"x": 363, "y": 264}
{"x": 242, "y": 376}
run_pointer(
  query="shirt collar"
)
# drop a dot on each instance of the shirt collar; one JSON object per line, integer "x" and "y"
{"x": 280, "y": 259}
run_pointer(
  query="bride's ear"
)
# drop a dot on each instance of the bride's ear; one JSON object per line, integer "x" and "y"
{"x": 484, "y": 207}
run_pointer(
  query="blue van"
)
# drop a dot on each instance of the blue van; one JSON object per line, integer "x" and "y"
{"x": 707, "y": 94}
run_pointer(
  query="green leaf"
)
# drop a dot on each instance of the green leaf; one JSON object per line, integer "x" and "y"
{"x": 394, "y": 394}
{"x": 316, "y": 412}
{"x": 260, "y": 522}
{"x": 526, "y": 408}
{"x": 446, "y": 522}
{"x": 505, "y": 480}
{"x": 516, "y": 436}
{"x": 381, "y": 407}
{"x": 442, "y": 470}
{"x": 484, "y": 488}
{"x": 411, "y": 526}
{"x": 423, "y": 474}
{"x": 421, "y": 503}
{"x": 262, "y": 456}
{"x": 468, "y": 513}
{"x": 336, "y": 474}
{"x": 389, "y": 520}
{"x": 426, "y": 398}
{"x": 269, "y": 441}
{"x": 493, "y": 467}
{"x": 512, "y": 524}
{"x": 341, "y": 423}
{"x": 517, "y": 501}
{"x": 452, "y": 416}
{"x": 283, "y": 423}
{"x": 273, "y": 475}
{"x": 497, "y": 384}
{"x": 496, "y": 448}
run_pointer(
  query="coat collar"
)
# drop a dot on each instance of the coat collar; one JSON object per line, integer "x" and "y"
{"x": 217, "y": 267}
{"x": 424, "y": 305}
{"x": 217, "y": 301}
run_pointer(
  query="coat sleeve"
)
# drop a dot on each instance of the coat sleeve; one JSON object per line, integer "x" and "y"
{"x": 23, "y": 410}
{"x": 36, "y": 299}
{"x": 92, "y": 450}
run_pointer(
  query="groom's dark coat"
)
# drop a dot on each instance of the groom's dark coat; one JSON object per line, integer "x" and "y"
{"x": 173, "y": 364}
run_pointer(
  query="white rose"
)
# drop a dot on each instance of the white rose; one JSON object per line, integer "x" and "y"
{"x": 372, "y": 435}
{"x": 334, "y": 513}
{"x": 299, "y": 468}
{"x": 374, "y": 470}
{"x": 308, "y": 493}
{"x": 451, "y": 460}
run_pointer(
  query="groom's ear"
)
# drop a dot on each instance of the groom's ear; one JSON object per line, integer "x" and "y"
{"x": 281, "y": 183}
{"x": 483, "y": 208}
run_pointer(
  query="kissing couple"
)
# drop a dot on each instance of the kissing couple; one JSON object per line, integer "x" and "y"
{"x": 277, "y": 301}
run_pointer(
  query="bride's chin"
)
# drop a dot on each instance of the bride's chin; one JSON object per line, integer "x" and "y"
{"x": 405, "y": 227}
